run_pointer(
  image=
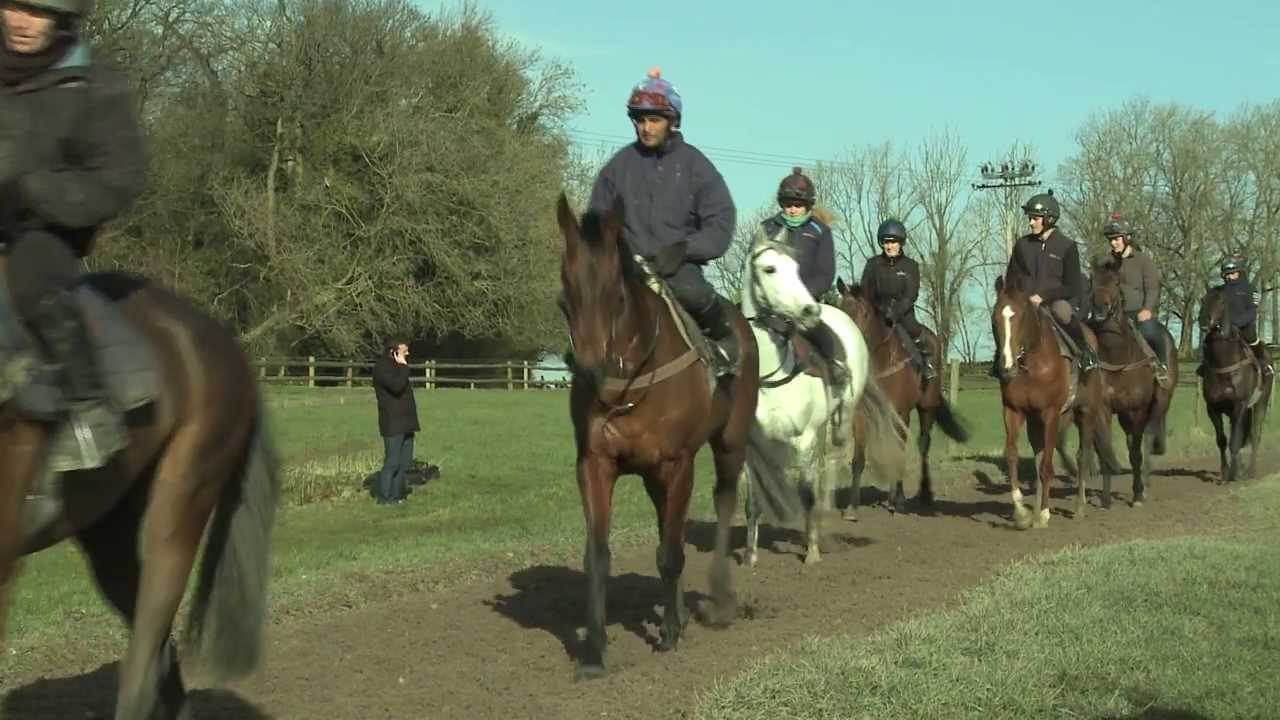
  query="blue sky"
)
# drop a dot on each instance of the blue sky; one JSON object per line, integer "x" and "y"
{"x": 805, "y": 84}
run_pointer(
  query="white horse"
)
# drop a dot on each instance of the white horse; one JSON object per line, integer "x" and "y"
{"x": 803, "y": 431}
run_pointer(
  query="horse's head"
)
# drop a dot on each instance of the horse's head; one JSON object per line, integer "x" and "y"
{"x": 1106, "y": 297}
{"x": 1214, "y": 319}
{"x": 775, "y": 287}
{"x": 857, "y": 306}
{"x": 1014, "y": 323}
{"x": 593, "y": 292}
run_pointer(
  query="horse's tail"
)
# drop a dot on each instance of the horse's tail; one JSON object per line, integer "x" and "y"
{"x": 886, "y": 433}
{"x": 229, "y": 607}
{"x": 951, "y": 423}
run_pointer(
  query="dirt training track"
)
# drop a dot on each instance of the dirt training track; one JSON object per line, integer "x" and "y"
{"x": 503, "y": 648}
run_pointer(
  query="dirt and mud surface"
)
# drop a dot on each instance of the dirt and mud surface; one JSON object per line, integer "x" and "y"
{"x": 504, "y": 648}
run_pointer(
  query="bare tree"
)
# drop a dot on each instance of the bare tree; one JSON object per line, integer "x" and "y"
{"x": 867, "y": 187}
{"x": 949, "y": 258}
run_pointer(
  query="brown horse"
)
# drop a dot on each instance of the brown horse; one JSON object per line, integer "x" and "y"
{"x": 906, "y": 388}
{"x": 1038, "y": 386}
{"x": 643, "y": 403}
{"x": 1131, "y": 390}
{"x": 1234, "y": 386}
{"x": 198, "y": 457}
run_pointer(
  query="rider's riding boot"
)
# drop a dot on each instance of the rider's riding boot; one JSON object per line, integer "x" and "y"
{"x": 1088, "y": 359}
{"x": 824, "y": 341}
{"x": 94, "y": 429}
{"x": 1264, "y": 357}
{"x": 928, "y": 369}
{"x": 715, "y": 322}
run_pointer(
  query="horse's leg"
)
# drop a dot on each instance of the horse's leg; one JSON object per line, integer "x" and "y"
{"x": 20, "y": 458}
{"x": 111, "y": 547}
{"x": 1237, "y": 441}
{"x": 1050, "y": 420}
{"x": 729, "y": 462}
{"x": 754, "y": 512}
{"x": 1136, "y": 435}
{"x": 185, "y": 488}
{"x": 1084, "y": 456}
{"x": 1220, "y": 434}
{"x": 1035, "y": 438}
{"x": 898, "y": 501}
{"x": 670, "y": 486}
{"x": 1012, "y": 428}
{"x": 859, "y": 465}
{"x": 596, "y": 477}
{"x": 923, "y": 442}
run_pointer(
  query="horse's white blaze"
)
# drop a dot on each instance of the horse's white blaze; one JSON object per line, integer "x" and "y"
{"x": 1007, "y": 349}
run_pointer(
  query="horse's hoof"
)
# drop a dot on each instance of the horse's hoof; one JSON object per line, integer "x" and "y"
{"x": 850, "y": 514}
{"x": 812, "y": 558}
{"x": 668, "y": 645}
{"x": 1137, "y": 502}
{"x": 1022, "y": 521}
{"x": 926, "y": 500}
{"x": 751, "y": 560}
{"x": 589, "y": 671}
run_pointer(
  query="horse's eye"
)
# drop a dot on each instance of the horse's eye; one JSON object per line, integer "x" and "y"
{"x": 770, "y": 269}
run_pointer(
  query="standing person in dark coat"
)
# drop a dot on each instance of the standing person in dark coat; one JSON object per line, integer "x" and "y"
{"x": 71, "y": 159}
{"x": 798, "y": 227}
{"x": 677, "y": 212}
{"x": 397, "y": 421}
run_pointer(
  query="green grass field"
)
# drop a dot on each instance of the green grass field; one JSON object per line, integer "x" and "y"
{"x": 1179, "y": 629}
{"x": 507, "y": 494}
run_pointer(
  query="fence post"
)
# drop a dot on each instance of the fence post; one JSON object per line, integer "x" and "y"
{"x": 311, "y": 371}
{"x": 509, "y": 377}
{"x": 431, "y": 374}
{"x": 525, "y": 374}
{"x": 351, "y": 370}
{"x": 953, "y": 397}
{"x": 262, "y": 368}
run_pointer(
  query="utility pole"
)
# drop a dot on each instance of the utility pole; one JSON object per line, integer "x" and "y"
{"x": 1008, "y": 177}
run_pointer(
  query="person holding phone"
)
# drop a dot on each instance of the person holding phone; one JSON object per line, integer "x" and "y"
{"x": 397, "y": 421}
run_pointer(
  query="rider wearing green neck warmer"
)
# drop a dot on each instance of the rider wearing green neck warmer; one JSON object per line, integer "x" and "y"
{"x": 815, "y": 252}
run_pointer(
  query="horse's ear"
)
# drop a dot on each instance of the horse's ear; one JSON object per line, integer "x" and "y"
{"x": 568, "y": 221}
{"x": 844, "y": 289}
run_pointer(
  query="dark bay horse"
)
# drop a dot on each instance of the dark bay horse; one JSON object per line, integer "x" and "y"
{"x": 642, "y": 403}
{"x": 1037, "y": 386}
{"x": 1234, "y": 386}
{"x": 1131, "y": 390}
{"x": 198, "y": 458}
{"x": 906, "y": 388}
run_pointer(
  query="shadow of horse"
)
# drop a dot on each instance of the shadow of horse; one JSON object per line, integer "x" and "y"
{"x": 1201, "y": 474}
{"x": 554, "y": 599}
{"x": 1161, "y": 713}
{"x": 93, "y": 696}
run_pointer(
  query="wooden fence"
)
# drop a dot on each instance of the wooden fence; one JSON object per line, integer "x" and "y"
{"x": 523, "y": 374}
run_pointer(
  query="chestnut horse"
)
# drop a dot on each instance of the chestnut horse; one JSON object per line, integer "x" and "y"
{"x": 1234, "y": 386}
{"x": 644, "y": 403}
{"x": 1131, "y": 390}
{"x": 1038, "y": 385}
{"x": 906, "y": 388}
{"x": 198, "y": 458}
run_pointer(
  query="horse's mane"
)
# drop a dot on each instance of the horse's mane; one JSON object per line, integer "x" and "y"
{"x": 592, "y": 230}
